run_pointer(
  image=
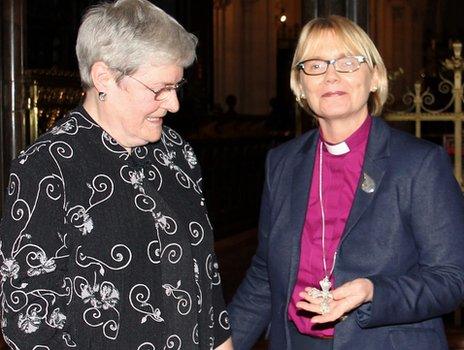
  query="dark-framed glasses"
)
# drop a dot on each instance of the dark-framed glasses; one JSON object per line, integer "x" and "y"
{"x": 165, "y": 92}
{"x": 347, "y": 64}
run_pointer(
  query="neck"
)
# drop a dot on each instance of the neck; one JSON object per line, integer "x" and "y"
{"x": 338, "y": 130}
{"x": 93, "y": 107}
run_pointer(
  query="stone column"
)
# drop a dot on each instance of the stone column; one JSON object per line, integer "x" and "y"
{"x": 245, "y": 53}
{"x": 220, "y": 40}
{"x": 12, "y": 112}
{"x": 356, "y": 10}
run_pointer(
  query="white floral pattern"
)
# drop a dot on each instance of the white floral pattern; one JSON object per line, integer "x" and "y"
{"x": 9, "y": 269}
{"x": 184, "y": 304}
{"x": 103, "y": 295}
{"x": 45, "y": 265}
{"x": 94, "y": 248}
{"x": 139, "y": 296}
{"x": 57, "y": 319}
{"x": 190, "y": 156}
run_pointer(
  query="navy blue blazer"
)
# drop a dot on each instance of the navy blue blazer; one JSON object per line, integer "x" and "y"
{"x": 407, "y": 237}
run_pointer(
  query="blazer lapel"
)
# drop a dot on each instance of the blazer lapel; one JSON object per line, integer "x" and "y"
{"x": 374, "y": 166}
{"x": 301, "y": 182}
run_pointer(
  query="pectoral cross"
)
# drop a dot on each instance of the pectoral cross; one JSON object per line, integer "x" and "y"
{"x": 324, "y": 293}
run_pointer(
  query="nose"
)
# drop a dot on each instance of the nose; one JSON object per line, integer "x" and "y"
{"x": 331, "y": 75}
{"x": 172, "y": 102}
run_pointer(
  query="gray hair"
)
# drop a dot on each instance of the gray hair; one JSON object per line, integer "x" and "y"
{"x": 127, "y": 33}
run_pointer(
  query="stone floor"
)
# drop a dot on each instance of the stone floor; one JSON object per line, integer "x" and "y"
{"x": 234, "y": 255}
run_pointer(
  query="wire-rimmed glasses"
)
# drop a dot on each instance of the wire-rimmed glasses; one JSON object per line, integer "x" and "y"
{"x": 347, "y": 64}
{"x": 165, "y": 92}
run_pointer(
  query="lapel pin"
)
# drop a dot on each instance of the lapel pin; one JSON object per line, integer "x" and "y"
{"x": 368, "y": 184}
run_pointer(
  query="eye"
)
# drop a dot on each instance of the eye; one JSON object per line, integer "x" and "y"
{"x": 315, "y": 66}
{"x": 348, "y": 61}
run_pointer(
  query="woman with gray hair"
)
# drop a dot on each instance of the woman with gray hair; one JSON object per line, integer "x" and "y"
{"x": 106, "y": 242}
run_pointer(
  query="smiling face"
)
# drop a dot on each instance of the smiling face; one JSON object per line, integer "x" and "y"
{"x": 132, "y": 116}
{"x": 334, "y": 95}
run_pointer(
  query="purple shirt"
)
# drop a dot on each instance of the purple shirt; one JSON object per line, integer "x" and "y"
{"x": 340, "y": 177}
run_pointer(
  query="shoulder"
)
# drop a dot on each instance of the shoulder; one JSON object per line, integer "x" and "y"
{"x": 408, "y": 149}
{"x": 296, "y": 144}
{"x": 403, "y": 142}
{"x": 290, "y": 149}
{"x": 58, "y": 141}
{"x": 407, "y": 154}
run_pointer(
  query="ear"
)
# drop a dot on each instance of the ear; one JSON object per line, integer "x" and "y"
{"x": 300, "y": 86}
{"x": 102, "y": 76}
{"x": 375, "y": 80}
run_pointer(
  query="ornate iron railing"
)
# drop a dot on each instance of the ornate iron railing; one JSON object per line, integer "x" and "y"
{"x": 420, "y": 106}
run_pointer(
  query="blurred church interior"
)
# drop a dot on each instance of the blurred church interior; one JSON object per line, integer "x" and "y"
{"x": 238, "y": 104}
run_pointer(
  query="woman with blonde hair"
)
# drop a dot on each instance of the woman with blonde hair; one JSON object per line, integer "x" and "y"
{"x": 361, "y": 227}
{"x": 106, "y": 242}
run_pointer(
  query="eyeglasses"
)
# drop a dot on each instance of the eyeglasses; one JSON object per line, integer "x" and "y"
{"x": 165, "y": 92}
{"x": 347, "y": 64}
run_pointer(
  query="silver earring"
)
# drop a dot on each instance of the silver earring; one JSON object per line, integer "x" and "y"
{"x": 102, "y": 96}
{"x": 302, "y": 96}
{"x": 374, "y": 89}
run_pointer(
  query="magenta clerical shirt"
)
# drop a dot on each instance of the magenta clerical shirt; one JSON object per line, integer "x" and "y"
{"x": 340, "y": 176}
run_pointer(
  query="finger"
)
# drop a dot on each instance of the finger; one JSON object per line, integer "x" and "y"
{"x": 327, "y": 318}
{"x": 338, "y": 310}
{"x": 318, "y": 309}
{"x": 349, "y": 302}
{"x": 316, "y": 294}
{"x": 307, "y": 296}
{"x": 312, "y": 289}
{"x": 335, "y": 314}
{"x": 344, "y": 291}
{"x": 360, "y": 289}
{"x": 314, "y": 308}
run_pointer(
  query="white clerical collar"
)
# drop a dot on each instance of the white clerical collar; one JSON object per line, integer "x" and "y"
{"x": 338, "y": 149}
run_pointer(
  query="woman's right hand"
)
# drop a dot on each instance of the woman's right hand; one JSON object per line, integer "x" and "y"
{"x": 345, "y": 299}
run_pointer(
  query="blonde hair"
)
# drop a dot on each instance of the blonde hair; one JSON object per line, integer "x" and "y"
{"x": 355, "y": 42}
{"x": 128, "y": 33}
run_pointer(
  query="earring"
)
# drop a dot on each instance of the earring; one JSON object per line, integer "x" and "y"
{"x": 102, "y": 96}
{"x": 302, "y": 96}
{"x": 374, "y": 89}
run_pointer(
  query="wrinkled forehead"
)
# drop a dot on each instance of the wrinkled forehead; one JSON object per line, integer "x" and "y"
{"x": 317, "y": 40}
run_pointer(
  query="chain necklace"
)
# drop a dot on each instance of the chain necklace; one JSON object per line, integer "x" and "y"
{"x": 325, "y": 283}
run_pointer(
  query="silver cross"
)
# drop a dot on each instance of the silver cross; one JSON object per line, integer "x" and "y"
{"x": 323, "y": 293}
